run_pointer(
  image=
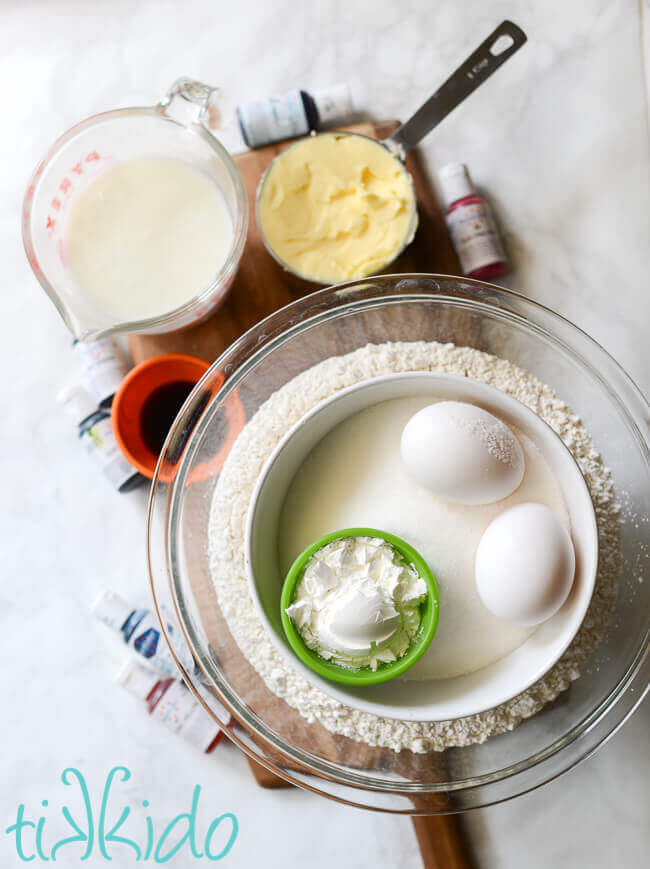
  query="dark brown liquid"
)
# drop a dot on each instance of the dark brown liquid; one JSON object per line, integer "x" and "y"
{"x": 159, "y": 412}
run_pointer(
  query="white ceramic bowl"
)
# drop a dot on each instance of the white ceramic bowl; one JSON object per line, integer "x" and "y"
{"x": 427, "y": 700}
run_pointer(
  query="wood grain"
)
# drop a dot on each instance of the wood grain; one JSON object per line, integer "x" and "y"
{"x": 442, "y": 842}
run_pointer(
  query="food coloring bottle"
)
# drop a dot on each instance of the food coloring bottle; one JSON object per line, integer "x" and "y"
{"x": 293, "y": 114}
{"x": 96, "y": 435}
{"x": 471, "y": 225}
{"x": 169, "y": 701}
{"x": 140, "y": 630}
{"x": 103, "y": 368}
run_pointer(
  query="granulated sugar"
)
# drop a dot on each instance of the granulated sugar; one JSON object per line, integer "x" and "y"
{"x": 228, "y": 519}
{"x": 496, "y": 438}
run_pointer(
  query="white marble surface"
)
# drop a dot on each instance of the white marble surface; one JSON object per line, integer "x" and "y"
{"x": 558, "y": 139}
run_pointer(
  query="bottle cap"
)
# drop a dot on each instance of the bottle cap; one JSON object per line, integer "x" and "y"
{"x": 77, "y": 401}
{"x": 137, "y": 679}
{"x": 455, "y": 183}
{"x": 111, "y": 609}
{"x": 334, "y": 104}
{"x": 103, "y": 367}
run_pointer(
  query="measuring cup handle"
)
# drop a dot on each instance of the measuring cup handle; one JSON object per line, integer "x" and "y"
{"x": 500, "y": 45}
{"x": 191, "y": 101}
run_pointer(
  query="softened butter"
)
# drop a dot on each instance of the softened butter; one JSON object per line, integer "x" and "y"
{"x": 335, "y": 207}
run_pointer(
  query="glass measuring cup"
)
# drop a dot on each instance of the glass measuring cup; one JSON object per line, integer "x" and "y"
{"x": 177, "y": 127}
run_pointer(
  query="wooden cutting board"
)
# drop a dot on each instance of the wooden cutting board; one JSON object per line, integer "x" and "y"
{"x": 262, "y": 286}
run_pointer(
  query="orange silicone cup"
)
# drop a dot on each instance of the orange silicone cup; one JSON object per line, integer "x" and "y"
{"x": 134, "y": 391}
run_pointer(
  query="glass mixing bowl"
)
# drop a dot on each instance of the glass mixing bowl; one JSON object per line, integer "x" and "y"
{"x": 339, "y": 320}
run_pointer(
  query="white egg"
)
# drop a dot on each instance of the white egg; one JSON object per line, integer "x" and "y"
{"x": 525, "y": 564}
{"x": 462, "y": 453}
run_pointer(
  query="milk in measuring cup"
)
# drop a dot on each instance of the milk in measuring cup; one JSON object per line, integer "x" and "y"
{"x": 147, "y": 236}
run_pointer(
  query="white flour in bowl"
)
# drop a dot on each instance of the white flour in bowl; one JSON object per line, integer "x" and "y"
{"x": 228, "y": 520}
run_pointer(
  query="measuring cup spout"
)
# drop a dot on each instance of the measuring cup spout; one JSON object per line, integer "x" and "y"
{"x": 192, "y": 101}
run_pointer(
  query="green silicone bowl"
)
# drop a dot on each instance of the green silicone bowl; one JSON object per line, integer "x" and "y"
{"x": 428, "y": 622}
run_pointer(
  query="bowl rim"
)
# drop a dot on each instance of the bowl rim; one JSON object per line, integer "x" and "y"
{"x": 429, "y": 609}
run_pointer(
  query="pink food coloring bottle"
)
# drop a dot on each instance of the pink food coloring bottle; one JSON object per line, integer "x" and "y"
{"x": 471, "y": 225}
